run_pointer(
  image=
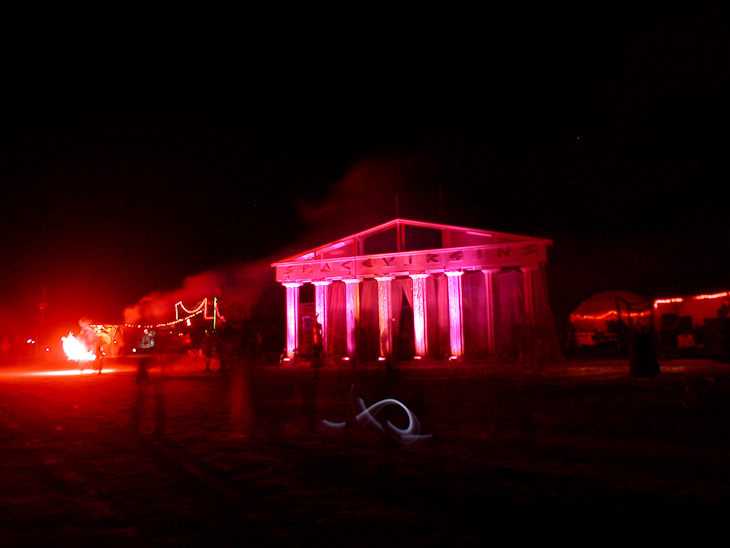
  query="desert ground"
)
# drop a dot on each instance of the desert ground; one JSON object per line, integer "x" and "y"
{"x": 578, "y": 452}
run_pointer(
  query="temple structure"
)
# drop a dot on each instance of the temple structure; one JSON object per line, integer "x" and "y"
{"x": 414, "y": 290}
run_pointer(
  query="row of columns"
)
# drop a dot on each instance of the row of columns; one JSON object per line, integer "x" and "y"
{"x": 385, "y": 311}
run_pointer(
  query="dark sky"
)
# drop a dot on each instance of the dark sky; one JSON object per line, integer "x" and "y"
{"x": 126, "y": 172}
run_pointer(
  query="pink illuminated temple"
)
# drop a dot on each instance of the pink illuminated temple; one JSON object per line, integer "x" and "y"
{"x": 414, "y": 290}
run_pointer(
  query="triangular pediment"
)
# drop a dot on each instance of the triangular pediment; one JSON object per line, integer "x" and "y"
{"x": 403, "y": 235}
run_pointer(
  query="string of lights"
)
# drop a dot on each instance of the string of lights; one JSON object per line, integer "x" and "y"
{"x": 610, "y": 314}
{"x": 696, "y": 298}
{"x": 201, "y": 308}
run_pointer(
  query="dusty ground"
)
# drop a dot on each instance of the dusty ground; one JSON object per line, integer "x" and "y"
{"x": 580, "y": 453}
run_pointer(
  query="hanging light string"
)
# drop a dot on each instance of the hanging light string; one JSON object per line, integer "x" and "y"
{"x": 201, "y": 308}
{"x": 611, "y": 314}
{"x": 695, "y": 297}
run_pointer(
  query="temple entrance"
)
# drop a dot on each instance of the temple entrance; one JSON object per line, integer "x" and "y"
{"x": 403, "y": 340}
{"x": 369, "y": 332}
{"x": 473, "y": 305}
{"x": 407, "y": 289}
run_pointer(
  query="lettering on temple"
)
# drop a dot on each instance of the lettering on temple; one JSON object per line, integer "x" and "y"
{"x": 435, "y": 318}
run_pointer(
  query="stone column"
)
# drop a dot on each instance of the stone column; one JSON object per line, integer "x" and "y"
{"x": 528, "y": 281}
{"x": 352, "y": 313}
{"x": 420, "y": 320}
{"x": 320, "y": 306}
{"x": 385, "y": 315}
{"x": 490, "y": 279}
{"x": 292, "y": 317}
{"x": 456, "y": 329}
{"x": 531, "y": 335}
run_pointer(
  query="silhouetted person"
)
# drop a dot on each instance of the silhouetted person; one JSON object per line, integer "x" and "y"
{"x": 145, "y": 346}
{"x": 209, "y": 349}
{"x": 92, "y": 341}
{"x": 317, "y": 347}
{"x": 142, "y": 374}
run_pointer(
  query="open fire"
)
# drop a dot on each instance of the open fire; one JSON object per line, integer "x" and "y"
{"x": 76, "y": 349}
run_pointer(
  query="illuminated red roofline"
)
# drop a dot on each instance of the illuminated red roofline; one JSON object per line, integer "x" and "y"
{"x": 720, "y": 295}
{"x": 436, "y": 226}
{"x": 609, "y": 314}
{"x": 405, "y": 222}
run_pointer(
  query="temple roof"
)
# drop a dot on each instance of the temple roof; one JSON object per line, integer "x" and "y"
{"x": 403, "y": 247}
{"x": 404, "y": 235}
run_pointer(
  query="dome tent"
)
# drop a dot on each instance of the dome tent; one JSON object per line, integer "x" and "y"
{"x": 604, "y": 312}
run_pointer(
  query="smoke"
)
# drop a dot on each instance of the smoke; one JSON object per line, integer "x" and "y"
{"x": 374, "y": 192}
{"x": 367, "y": 196}
{"x": 238, "y": 286}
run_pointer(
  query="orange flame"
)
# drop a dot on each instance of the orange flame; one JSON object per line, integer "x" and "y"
{"x": 76, "y": 350}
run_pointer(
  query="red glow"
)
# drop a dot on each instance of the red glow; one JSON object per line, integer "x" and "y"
{"x": 667, "y": 301}
{"x": 713, "y": 296}
{"x": 69, "y": 372}
{"x": 609, "y": 314}
{"x": 76, "y": 350}
{"x": 721, "y": 295}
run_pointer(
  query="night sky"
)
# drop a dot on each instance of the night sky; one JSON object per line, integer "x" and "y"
{"x": 128, "y": 172}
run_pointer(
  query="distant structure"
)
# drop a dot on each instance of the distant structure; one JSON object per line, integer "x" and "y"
{"x": 408, "y": 290}
{"x": 608, "y": 318}
{"x": 694, "y": 325}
